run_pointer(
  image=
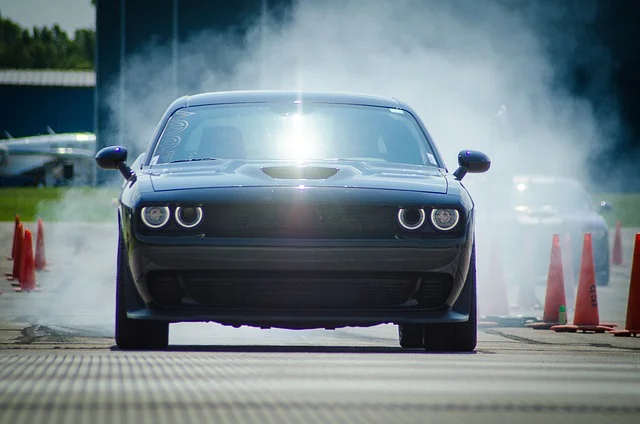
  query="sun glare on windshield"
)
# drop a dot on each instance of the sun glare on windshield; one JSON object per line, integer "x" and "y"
{"x": 299, "y": 139}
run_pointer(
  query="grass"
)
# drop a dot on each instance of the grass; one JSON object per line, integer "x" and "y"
{"x": 57, "y": 204}
{"x": 626, "y": 208}
{"x": 95, "y": 204}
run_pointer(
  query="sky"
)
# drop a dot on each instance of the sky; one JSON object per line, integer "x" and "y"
{"x": 69, "y": 14}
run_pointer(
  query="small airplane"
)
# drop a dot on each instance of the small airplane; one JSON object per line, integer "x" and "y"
{"x": 48, "y": 160}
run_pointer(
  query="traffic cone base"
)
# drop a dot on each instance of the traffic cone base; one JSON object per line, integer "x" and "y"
{"x": 542, "y": 325}
{"x": 20, "y": 290}
{"x": 569, "y": 328}
{"x": 510, "y": 321}
{"x": 625, "y": 333}
{"x": 487, "y": 324}
{"x": 494, "y": 300}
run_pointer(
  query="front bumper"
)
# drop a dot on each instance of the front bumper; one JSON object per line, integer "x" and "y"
{"x": 301, "y": 283}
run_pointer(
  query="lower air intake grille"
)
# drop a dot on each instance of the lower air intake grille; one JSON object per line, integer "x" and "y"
{"x": 285, "y": 290}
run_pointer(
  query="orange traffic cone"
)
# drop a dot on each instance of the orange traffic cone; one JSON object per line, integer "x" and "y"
{"x": 586, "y": 317}
{"x": 496, "y": 298}
{"x": 632, "y": 326}
{"x": 15, "y": 237}
{"x": 41, "y": 261}
{"x": 616, "y": 255}
{"x": 15, "y": 274}
{"x": 555, "y": 295}
{"x": 567, "y": 266}
{"x": 527, "y": 298}
{"x": 499, "y": 304}
{"x": 28, "y": 271}
{"x": 492, "y": 296}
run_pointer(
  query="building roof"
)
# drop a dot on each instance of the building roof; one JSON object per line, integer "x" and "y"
{"x": 47, "y": 77}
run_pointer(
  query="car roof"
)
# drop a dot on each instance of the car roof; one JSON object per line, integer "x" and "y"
{"x": 283, "y": 96}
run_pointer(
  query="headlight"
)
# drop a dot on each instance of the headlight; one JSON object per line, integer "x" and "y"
{"x": 188, "y": 217}
{"x": 411, "y": 219}
{"x": 155, "y": 216}
{"x": 445, "y": 219}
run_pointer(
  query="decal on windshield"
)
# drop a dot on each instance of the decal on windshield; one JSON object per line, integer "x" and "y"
{"x": 432, "y": 159}
{"x": 171, "y": 137}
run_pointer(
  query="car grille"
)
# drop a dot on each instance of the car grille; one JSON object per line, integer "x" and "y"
{"x": 301, "y": 221}
{"x": 313, "y": 290}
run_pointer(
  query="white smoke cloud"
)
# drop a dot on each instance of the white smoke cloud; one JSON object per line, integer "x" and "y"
{"x": 455, "y": 62}
{"x": 483, "y": 75}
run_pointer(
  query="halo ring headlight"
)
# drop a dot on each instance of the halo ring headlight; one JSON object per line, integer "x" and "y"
{"x": 413, "y": 224}
{"x": 185, "y": 224}
{"x": 445, "y": 219}
{"x": 155, "y": 216}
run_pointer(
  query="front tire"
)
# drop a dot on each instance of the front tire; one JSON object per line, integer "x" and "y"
{"x": 133, "y": 333}
{"x": 461, "y": 336}
{"x": 410, "y": 335}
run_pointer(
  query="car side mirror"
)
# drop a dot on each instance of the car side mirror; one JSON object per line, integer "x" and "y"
{"x": 114, "y": 157}
{"x": 471, "y": 161}
{"x": 605, "y": 206}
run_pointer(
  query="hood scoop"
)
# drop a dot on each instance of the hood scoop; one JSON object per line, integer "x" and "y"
{"x": 300, "y": 172}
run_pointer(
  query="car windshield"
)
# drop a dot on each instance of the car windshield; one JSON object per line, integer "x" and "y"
{"x": 293, "y": 131}
{"x": 561, "y": 195}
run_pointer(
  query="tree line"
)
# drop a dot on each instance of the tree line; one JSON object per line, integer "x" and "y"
{"x": 45, "y": 47}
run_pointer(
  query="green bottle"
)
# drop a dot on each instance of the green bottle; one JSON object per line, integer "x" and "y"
{"x": 562, "y": 315}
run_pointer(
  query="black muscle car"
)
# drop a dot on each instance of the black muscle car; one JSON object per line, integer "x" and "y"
{"x": 295, "y": 210}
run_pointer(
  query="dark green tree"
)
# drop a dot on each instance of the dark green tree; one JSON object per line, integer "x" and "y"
{"x": 45, "y": 47}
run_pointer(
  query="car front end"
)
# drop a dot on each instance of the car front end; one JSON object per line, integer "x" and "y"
{"x": 299, "y": 256}
{"x": 295, "y": 210}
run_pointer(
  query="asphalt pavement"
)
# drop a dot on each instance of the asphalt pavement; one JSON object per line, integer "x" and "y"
{"x": 58, "y": 362}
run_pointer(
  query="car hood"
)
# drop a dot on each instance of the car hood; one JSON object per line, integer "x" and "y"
{"x": 348, "y": 174}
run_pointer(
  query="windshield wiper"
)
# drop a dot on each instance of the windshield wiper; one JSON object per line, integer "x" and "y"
{"x": 192, "y": 160}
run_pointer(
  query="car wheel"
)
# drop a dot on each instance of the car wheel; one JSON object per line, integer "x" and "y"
{"x": 133, "y": 333}
{"x": 456, "y": 337}
{"x": 410, "y": 335}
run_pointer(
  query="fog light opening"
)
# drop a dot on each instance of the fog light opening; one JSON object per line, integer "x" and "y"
{"x": 188, "y": 217}
{"x": 165, "y": 290}
{"x": 411, "y": 219}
